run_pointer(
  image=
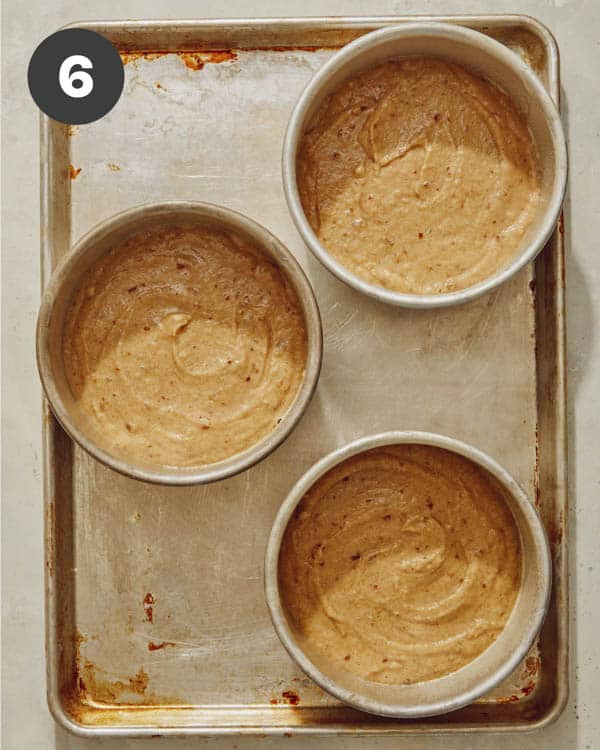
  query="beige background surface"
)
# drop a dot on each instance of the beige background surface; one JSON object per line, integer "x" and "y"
{"x": 26, "y": 722}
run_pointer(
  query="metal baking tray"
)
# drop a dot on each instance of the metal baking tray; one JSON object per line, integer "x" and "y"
{"x": 155, "y": 616}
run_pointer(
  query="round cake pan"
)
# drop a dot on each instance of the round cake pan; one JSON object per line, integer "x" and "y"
{"x": 65, "y": 281}
{"x": 472, "y": 681}
{"x": 478, "y": 53}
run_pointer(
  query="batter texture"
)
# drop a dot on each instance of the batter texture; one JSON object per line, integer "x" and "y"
{"x": 419, "y": 177}
{"x": 185, "y": 346}
{"x": 402, "y": 564}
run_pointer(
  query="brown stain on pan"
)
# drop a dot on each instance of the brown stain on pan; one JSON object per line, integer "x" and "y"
{"x": 129, "y": 57}
{"x": 113, "y": 167}
{"x": 292, "y": 48}
{"x": 536, "y": 469}
{"x": 148, "y": 602}
{"x": 87, "y": 688}
{"x": 157, "y": 646}
{"x": 50, "y": 543}
{"x": 555, "y": 532}
{"x": 532, "y": 665}
{"x": 528, "y": 689}
{"x": 197, "y": 59}
{"x": 290, "y": 697}
{"x": 192, "y": 60}
{"x": 73, "y": 172}
{"x": 508, "y": 699}
{"x": 107, "y": 691}
{"x": 215, "y": 56}
{"x": 70, "y": 690}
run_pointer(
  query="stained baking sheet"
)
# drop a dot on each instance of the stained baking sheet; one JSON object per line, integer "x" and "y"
{"x": 156, "y": 621}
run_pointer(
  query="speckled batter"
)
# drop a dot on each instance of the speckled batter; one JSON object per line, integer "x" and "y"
{"x": 419, "y": 177}
{"x": 402, "y": 564}
{"x": 185, "y": 346}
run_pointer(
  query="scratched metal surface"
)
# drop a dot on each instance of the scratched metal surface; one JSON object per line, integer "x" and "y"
{"x": 154, "y": 594}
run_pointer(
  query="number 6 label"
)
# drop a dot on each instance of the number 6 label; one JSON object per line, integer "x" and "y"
{"x": 68, "y": 79}
{"x": 76, "y": 76}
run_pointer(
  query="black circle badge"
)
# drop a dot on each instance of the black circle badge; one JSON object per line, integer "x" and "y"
{"x": 75, "y": 76}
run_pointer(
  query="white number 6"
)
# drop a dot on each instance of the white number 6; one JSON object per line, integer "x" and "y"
{"x": 66, "y": 78}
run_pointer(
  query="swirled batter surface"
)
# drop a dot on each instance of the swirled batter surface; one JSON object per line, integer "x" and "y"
{"x": 185, "y": 345}
{"x": 402, "y": 564}
{"x": 419, "y": 177}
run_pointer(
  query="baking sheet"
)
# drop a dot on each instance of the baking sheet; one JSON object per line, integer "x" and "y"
{"x": 156, "y": 621}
